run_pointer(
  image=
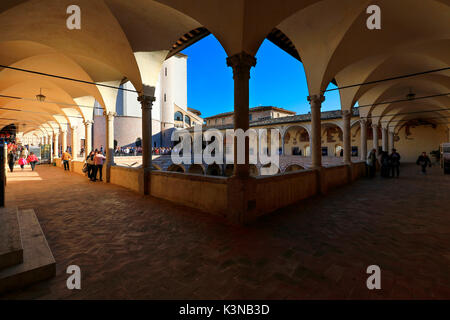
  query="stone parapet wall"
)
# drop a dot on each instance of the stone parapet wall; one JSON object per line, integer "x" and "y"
{"x": 238, "y": 201}
{"x": 205, "y": 193}
{"x": 284, "y": 189}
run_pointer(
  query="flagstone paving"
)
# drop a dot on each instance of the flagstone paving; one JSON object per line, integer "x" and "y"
{"x": 134, "y": 247}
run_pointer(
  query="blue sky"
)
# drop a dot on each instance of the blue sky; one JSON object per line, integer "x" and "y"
{"x": 277, "y": 80}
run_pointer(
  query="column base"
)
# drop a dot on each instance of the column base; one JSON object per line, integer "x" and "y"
{"x": 241, "y": 200}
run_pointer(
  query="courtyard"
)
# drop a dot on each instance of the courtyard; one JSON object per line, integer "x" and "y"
{"x": 130, "y": 246}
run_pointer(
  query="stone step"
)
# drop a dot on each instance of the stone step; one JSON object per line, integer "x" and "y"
{"x": 11, "y": 251}
{"x": 38, "y": 261}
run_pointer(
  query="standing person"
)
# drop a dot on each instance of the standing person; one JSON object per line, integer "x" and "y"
{"x": 25, "y": 152}
{"x": 98, "y": 161}
{"x": 424, "y": 161}
{"x": 32, "y": 160}
{"x": 11, "y": 160}
{"x": 371, "y": 163}
{"x": 65, "y": 158}
{"x": 395, "y": 163}
{"x": 385, "y": 164}
{"x": 90, "y": 164}
{"x": 22, "y": 161}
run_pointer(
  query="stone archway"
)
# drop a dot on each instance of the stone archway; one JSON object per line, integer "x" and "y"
{"x": 196, "y": 169}
{"x": 293, "y": 168}
{"x": 176, "y": 168}
{"x": 214, "y": 170}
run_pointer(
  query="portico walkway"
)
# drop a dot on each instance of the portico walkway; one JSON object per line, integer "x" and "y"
{"x": 129, "y": 246}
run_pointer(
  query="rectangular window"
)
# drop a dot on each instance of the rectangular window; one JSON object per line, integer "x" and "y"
{"x": 165, "y": 71}
{"x": 324, "y": 151}
{"x": 165, "y": 98}
{"x": 216, "y": 121}
{"x": 250, "y": 117}
{"x": 223, "y": 120}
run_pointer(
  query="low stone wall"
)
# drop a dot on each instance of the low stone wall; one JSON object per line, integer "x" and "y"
{"x": 358, "y": 170}
{"x": 77, "y": 167}
{"x": 284, "y": 189}
{"x": 239, "y": 202}
{"x": 334, "y": 176}
{"x": 202, "y": 192}
{"x": 130, "y": 178}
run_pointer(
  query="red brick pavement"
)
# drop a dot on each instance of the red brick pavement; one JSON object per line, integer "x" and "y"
{"x": 129, "y": 246}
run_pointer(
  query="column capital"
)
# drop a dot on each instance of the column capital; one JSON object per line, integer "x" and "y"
{"x": 88, "y": 122}
{"x": 363, "y": 122}
{"x": 316, "y": 99}
{"x": 109, "y": 114}
{"x": 241, "y": 64}
{"x": 74, "y": 127}
{"x": 146, "y": 101}
{"x": 346, "y": 114}
{"x": 374, "y": 125}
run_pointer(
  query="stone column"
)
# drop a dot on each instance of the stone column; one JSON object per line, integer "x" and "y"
{"x": 363, "y": 124}
{"x": 56, "y": 148}
{"x": 282, "y": 142}
{"x": 146, "y": 105}
{"x": 384, "y": 139}
{"x": 64, "y": 140}
{"x": 109, "y": 116}
{"x": 346, "y": 115}
{"x": 241, "y": 64}
{"x": 391, "y": 139}
{"x": 316, "y": 137}
{"x": 50, "y": 142}
{"x": 88, "y": 137}
{"x": 74, "y": 142}
{"x": 375, "y": 136}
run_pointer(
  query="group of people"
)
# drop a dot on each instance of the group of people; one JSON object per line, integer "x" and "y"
{"x": 94, "y": 165}
{"x": 128, "y": 151}
{"x": 23, "y": 159}
{"x": 390, "y": 163}
{"x": 162, "y": 150}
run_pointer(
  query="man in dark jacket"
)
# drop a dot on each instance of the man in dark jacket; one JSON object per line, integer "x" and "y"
{"x": 424, "y": 161}
{"x": 395, "y": 163}
{"x": 371, "y": 163}
{"x": 11, "y": 160}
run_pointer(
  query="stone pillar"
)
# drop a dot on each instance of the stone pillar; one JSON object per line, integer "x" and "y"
{"x": 50, "y": 142}
{"x": 316, "y": 137}
{"x": 56, "y": 143}
{"x": 282, "y": 142}
{"x": 363, "y": 124}
{"x": 64, "y": 140}
{"x": 88, "y": 137}
{"x": 391, "y": 140}
{"x": 375, "y": 136}
{"x": 384, "y": 139}
{"x": 241, "y": 64}
{"x": 74, "y": 142}
{"x": 346, "y": 115}
{"x": 146, "y": 105}
{"x": 109, "y": 116}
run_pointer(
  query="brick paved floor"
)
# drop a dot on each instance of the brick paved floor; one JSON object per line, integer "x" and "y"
{"x": 129, "y": 246}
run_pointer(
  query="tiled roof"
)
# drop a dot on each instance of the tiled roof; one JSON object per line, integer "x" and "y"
{"x": 254, "y": 109}
{"x": 326, "y": 115}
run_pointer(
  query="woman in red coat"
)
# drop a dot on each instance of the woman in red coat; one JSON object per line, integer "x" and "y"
{"x": 32, "y": 160}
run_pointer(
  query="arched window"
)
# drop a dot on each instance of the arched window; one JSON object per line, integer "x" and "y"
{"x": 187, "y": 120}
{"x": 178, "y": 116}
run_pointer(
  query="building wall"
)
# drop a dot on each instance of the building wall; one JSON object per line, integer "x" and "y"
{"x": 410, "y": 143}
{"x": 171, "y": 89}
